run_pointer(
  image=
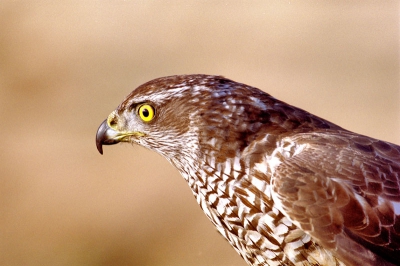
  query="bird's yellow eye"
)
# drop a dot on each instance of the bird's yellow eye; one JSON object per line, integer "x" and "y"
{"x": 146, "y": 112}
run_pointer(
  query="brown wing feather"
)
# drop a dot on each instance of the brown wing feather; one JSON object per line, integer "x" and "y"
{"x": 343, "y": 189}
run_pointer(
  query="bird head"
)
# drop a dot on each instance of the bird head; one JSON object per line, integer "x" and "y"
{"x": 157, "y": 115}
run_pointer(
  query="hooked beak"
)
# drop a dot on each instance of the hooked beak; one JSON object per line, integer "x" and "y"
{"x": 107, "y": 136}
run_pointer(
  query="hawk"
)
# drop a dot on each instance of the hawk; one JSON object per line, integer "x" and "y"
{"x": 283, "y": 186}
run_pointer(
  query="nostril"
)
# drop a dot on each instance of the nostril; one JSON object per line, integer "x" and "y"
{"x": 112, "y": 121}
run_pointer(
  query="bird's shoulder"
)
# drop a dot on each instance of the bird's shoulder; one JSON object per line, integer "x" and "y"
{"x": 340, "y": 187}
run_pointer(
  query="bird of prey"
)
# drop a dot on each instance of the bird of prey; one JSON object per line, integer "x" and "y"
{"x": 283, "y": 186}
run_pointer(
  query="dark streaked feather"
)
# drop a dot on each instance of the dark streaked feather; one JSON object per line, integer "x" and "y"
{"x": 344, "y": 186}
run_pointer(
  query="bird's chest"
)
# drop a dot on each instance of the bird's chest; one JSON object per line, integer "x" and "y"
{"x": 238, "y": 201}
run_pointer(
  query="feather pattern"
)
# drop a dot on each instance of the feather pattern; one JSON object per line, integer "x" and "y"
{"x": 283, "y": 186}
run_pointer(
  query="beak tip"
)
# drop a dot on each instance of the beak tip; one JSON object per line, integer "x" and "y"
{"x": 100, "y": 148}
{"x": 101, "y": 136}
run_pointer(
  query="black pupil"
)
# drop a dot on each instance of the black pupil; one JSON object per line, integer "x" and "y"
{"x": 145, "y": 112}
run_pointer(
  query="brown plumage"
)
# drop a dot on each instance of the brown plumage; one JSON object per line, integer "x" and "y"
{"x": 283, "y": 186}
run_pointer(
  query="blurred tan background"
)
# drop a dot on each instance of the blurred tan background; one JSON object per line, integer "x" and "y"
{"x": 65, "y": 66}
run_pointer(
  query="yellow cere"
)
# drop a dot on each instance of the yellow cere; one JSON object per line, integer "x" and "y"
{"x": 111, "y": 121}
{"x": 146, "y": 112}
